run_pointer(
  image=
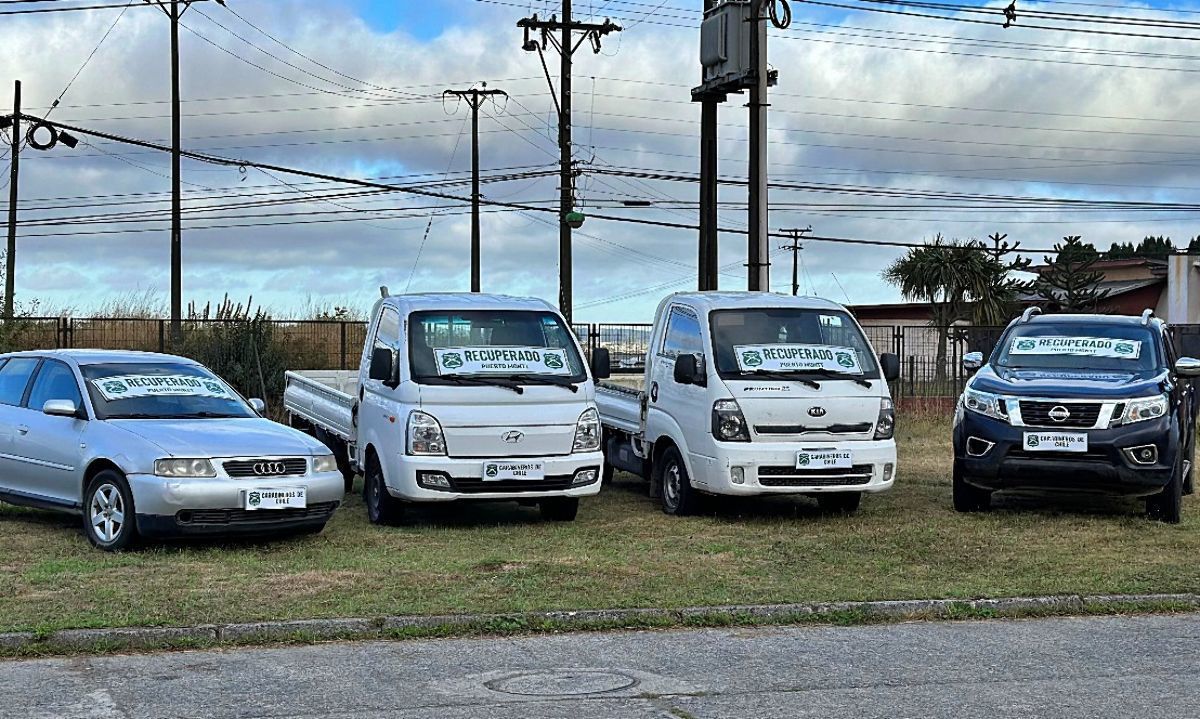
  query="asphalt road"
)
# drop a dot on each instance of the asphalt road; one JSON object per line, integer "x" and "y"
{"x": 1062, "y": 668}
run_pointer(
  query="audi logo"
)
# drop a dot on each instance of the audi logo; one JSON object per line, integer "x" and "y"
{"x": 264, "y": 469}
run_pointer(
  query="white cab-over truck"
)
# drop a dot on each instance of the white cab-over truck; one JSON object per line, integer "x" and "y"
{"x": 460, "y": 397}
{"x": 751, "y": 393}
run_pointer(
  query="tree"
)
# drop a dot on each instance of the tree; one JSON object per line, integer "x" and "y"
{"x": 1068, "y": 282}
{"x": 1158, "y": 248}
{"x": 1119, "y": 251}
{"x": 1194, "y": 246}
{"x": 956, "y": 278}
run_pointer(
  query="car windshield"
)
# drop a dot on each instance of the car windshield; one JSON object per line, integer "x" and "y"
{"x": 165, "y": 390}
{"x": 787, "y": 342}
{"x": 1078, "y": 346}
{"x": 529, "y": 347}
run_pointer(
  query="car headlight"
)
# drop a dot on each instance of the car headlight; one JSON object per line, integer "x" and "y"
{"x": 425, "y": 435}
{"x": 184, "y": 468}
{"x": 1145, "y": 408}
{"x": 885, "y": 426}
{"x": 985, "y": 403}
{"x": 324, "y": 463}
{"x": 587, "y": 432}
{"x": 728, "y": 422}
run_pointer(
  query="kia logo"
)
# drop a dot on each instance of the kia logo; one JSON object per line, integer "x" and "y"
{"x": 816, "y": 411}
{"x": 512, "y": 437}
{"x": 264, "y": 469}
{"x": 1060, "y": 414}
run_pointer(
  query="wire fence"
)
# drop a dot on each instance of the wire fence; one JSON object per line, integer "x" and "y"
{"x": 253, "y": 354}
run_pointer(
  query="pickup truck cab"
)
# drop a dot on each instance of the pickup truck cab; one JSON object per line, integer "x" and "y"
{"x": 1078, "y": 403}
{"x": 460, "y": 397}
{"x": 750, "y": 393}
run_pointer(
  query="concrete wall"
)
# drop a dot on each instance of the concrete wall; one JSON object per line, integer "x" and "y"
{"x": 1183, "y": 290}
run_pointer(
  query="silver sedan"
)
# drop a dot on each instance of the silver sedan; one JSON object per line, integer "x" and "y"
{"x": 145, "y": 445}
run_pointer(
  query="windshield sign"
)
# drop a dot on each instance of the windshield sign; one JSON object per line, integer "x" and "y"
{"x": 132, "y": 386}
{"x": 1077, "y": 346}
{"x": 790, "y": 358}
{"x": 502, "y": 361}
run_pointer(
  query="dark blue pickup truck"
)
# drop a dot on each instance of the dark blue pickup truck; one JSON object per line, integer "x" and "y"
{"x": 1078, "y": 403}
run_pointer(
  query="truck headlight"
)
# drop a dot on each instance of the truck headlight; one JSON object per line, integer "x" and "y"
{"x": 985, "y": 403}
{"x": 324, "y": 463}
{"x": 885, "y": 426}
{"x": 425, "y": 435}
{"x": 728, "y": 422}
{"x": 587, "y": 432}
{"x": 1145, "y": 408}
{"x": 184, "y": 468}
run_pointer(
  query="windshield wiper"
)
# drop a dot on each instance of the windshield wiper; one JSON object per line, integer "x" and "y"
{"x": 135, "y": 415}
{"x": 783, "y": 375}
{"x": 830, "y": 374}
{"x": 546, "y": 380}
{"x": 473, "y": 381}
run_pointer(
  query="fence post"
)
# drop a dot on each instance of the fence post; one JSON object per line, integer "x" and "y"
{"x": 342, "y": 344}
{"x": 912, "y": 376}
{"x": 162, "y": 337}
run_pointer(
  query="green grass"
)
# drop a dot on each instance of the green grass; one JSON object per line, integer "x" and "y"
{"x": 621, "y": 552}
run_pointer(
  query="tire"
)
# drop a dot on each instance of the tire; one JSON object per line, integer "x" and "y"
{"x": 1167, "y": 505}
{"x": 382, "y": 507}
{"x": 678, "y": 497}
{"x": 839, "y": 502}
{"x": 606, "y": 477}
{"x": 559, "y": 509}
{"x": 968, "y": 498}
{"x": 1189, "y": 481}
{"x": 109, "y": 516}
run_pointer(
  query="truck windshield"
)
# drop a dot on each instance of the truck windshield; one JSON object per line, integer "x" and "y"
{"x": 532, "y": 347}
{"x": 786, "y": 342}
{"x": 164, "y": 390}
{"x": 1078, "y": 346}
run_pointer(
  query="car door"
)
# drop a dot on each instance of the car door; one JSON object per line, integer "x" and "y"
{"x": 51, "y": 446}
{"x": 1184, "y": 400}
{"x": 376, "y": 398}
{"x": 686, "y": 403}
{"x": 15, "y": 478}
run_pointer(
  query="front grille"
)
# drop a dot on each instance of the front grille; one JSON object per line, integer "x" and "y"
{"x": 1091, "y": 455}
{"x": 860, "y": 428}
{"x": 249, "y": 468}
{"x": 792, "y": 477}
{"x": 1037, "y": 414}
{"x": 243, "y": 517}
{"x": 549, "y": 484}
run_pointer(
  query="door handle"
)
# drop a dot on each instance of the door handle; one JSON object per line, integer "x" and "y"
{"x": 22, "y": 429}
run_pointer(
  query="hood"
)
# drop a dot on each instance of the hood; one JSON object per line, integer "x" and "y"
{"x": 1068, "y": 383}
{"x": 788, "y": 411}
{"x": 204, "y": 438}
{"x": 495, "y": 423}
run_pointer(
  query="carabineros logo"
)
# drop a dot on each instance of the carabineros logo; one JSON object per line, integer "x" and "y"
{"x": 492, "y": 470}
{"x": 1123, "y": 348}
{"x": 804, "y": 460}
{"x": 254, "y": 499}
{"x": 752, "y": 358}
{"x": 1032, "y": 441}
{"x": 1026, "y": 345}
{"x": 115, "y": 387}
{"x": 452, "y": 360}
{"x": 844, "y": 359}
{"x": 214, "y": 387}
{"x": 553, "y": 361}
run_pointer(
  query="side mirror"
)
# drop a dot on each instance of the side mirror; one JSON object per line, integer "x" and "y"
{"x": 60, "y": 408}
{"x": 1187, "y": 367}
{"x": 381, "y": 365}
{"x": 601, "y": 363}
{"x": 972, "y": 361}
{"x": 258, "y": 405}
{"x": 889, "y": 364}
{"x": 689, "y": 370}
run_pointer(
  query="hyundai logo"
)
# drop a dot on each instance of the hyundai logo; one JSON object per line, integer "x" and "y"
{"x": 1060, "y": 414}
{"x": 512, "y": 437}
{"x": 264, "y": 469}
{"x": 816, "y": 411}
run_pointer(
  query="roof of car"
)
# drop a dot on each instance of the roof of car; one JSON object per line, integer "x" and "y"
{"x": 465, "y": 301}
{"x": 709, "y": 301}
{"x": 94, "y": 356}
{"x": 1088, "y": 319}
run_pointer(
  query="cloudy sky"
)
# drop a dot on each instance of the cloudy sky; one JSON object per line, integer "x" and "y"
{"x": 867, "y": 102}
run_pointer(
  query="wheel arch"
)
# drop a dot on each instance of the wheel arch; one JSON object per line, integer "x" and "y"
{"x": 96, "y": 466}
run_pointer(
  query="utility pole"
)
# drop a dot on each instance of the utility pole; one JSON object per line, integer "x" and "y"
{"x": 759, "y": 278}
{"x": 795, "y": 247}
{"x": 10, "y": 258}
{"x": 566, "y": 46}
{"x": 474, "y": 98}
{"x": 708, "y": 249}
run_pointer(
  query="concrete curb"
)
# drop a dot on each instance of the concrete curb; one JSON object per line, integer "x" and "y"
{"x": 139, "y": 638}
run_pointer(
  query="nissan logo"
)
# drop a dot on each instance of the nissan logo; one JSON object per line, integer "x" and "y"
{"x": 512, "y": 437}
{"x": 1060, "y": 414}
{"x": 816, "y": 411}
{"x": 264, "y": 469}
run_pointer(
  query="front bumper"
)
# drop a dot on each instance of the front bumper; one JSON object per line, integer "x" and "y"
{"x": 1103, "y": 469}
{"x": 215, "y": 506}
{"x": 468, "y": 483}
{"x": 770, "y": 468}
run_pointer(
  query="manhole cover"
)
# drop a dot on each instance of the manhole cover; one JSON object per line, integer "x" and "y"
{"x": 562, "y": 683}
